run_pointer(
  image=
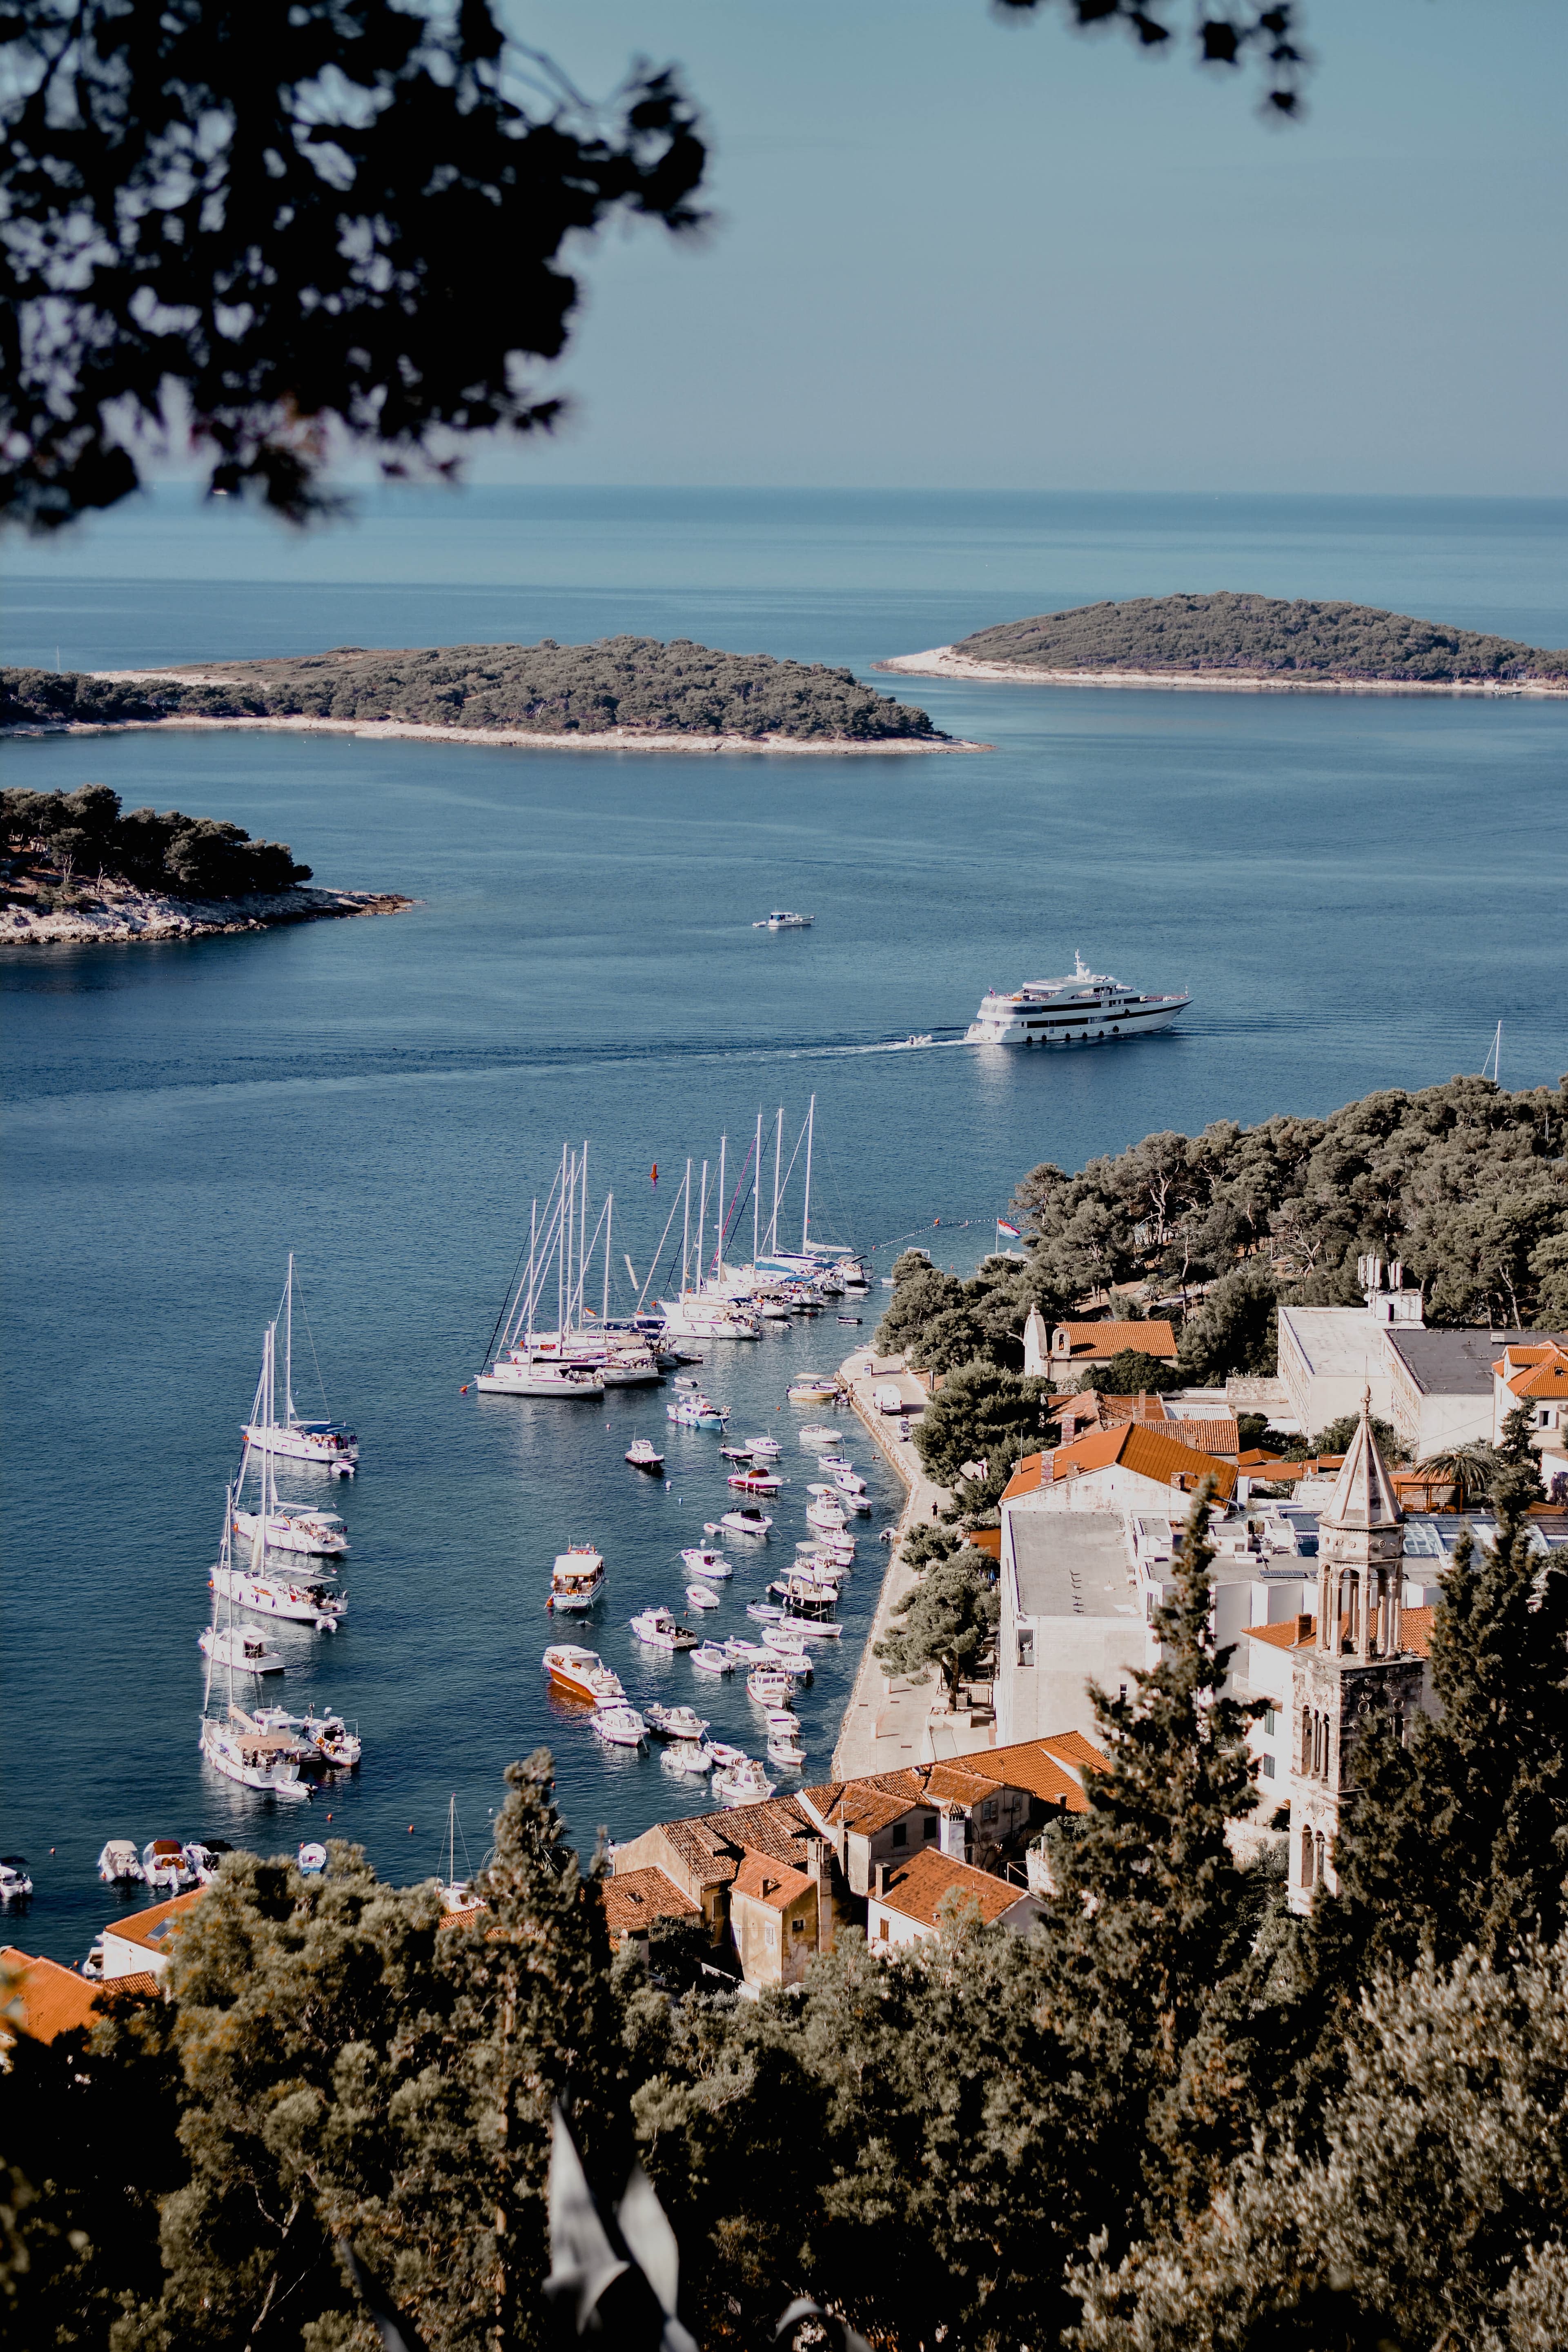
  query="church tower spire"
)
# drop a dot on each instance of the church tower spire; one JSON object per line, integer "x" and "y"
{"x": 1356, "y": 1670}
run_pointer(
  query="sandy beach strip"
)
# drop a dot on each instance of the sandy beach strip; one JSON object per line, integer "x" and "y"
{"x": 945, "y": 661}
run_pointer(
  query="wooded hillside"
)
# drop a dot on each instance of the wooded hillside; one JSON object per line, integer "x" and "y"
{"x": 680, "y": 688}
{"x": 1267, "y": 633}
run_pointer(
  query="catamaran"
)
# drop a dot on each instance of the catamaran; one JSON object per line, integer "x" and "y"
{"x": 1086, "y": 1008}
{"x": 326, "y": 1442}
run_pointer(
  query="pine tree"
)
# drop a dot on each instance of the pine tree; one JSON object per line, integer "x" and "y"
{"x": 946, "y": 1621}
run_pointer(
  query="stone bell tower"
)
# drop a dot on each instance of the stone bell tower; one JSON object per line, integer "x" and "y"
{"x": 1356, "y": 1670}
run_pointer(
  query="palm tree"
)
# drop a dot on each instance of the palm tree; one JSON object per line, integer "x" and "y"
{"x": 1469, "y": 1468}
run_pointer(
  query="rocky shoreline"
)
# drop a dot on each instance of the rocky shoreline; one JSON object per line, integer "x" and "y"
{"x": 946, "y": 661}
{"x": 518, "y": 739}
{"x": 119, "y": 914}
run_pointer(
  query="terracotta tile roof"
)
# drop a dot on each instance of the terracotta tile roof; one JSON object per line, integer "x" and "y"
{"x": 1143, "y": 1407}
{"x": 638, "y": 1896}
{"x": 869, "y": 1803}
{"x": 1029, "y": 1476}
{"x": 1542, "y": 1379}
{"x": 961, "y": 1781}
{"x": 154, "y": 1926}
{"x": 1097, "y": 1341}
{"x": 1299, "y": 1633}
{"x": 1073, "y": 1749}
{"x": 1219, "y": 1435}
{"x": 42, "y": 1999}
{"x": 712, "y": 1844}
{"x": 918, "y": 1888}
{"x": 769, "y": 1882}
{"x": 1150, "y": 1452}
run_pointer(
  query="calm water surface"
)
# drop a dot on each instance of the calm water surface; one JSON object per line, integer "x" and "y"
{"x": 1356, "y": 890}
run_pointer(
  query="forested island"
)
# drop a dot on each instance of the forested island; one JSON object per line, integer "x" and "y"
{"x": 622, "y": 688}
{"x": 75, "y": 868}
{"x": 1228, "y": 639}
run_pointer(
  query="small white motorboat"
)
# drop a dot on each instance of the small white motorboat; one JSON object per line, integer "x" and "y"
{"x": 696, "y": 1412}
{"x": 118, "y": 1865}
{"x": 661, "y": 1631}
{"x": 854, "y": 1500}
{"x": 674, "y": 1722}
{"x": 791, "y": 1661}
{"x": 833, "y": 1464}
{"x": 742, "y": 1784}
{"x": 701, "y": 1596}
{"x": 583, "y": 1673}
{"x": 816, "y": 1438}
{"x": 619, "y": 1725}
{"x": 827, "y": 1515}
{"x": 320, "y": 1533}
{"x": 576, "y": 1580}
{"x": 724, "y": 1757}
{"x": 764, "y": 1449}
{"x": 786, "y": 1744}
{"x": 332, "y": 1740}
{"x": 687, "y": 1755}
{"x": 313, "y": 1859}
{"x": 702, "y": 1562}
{"x": 782, "y": 920}
{"x": 643, "y": 1454}
{"x": 712, "y": 1658}
{"x": 231, "y": 1645}
{"x": 768, "y": 1686}
{"x": 206, "y": 1859}
{"x": 848, "y": 1481}
{"x": 92, "y": 1967}
{"x": 745, "y": 1522}
{"x": 767, "y": 1613}
{"x": 15, "y": 1878}
{"x": 755, "y": 1482}
{"x": 811, "y": 1391}
{"x": 163, "y": 1864}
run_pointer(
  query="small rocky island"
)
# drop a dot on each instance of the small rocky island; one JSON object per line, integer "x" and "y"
{"x": 74, "y": 869}
{"x": 1255, "y": 643}
{"x": 630, "y": 691}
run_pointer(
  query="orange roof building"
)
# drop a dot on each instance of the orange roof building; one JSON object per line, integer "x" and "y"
{"x": 1130, "y": 1467}
{"x": 142, "y": 1940}
{"x": 910, "y": 1902}
{"x": 42, "y": 1998}
{"x": 633, "y": 1900}
{"x": 1084, "y": 1345}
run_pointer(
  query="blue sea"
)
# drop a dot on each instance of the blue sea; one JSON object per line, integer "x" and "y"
{"x": 1355, "y": 889}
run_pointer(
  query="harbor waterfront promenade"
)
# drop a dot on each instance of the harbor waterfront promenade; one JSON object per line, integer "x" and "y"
{"x": 890, "y": 1721}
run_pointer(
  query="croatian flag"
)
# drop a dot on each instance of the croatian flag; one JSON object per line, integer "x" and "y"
{"x": 1012, "y": 1231}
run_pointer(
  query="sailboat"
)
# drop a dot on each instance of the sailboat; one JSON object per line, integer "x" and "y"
{"x": 309, "y": 1600}
{"x": 235, "y": 1744}
{"x": 705, "y": 1308}
{"x": 326, "y": 1442}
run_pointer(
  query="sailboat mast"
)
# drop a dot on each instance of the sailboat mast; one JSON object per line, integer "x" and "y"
{"x": 561, "y": 1255}
{"x": 757, "y": 1191}
{"x": 686, "y": 1232}
{"x": 532, "y": 1234}
{"x": 583, "y": 1242}
{"x": 609, "y": 1214}
{"x": 778, "y": 1160}
{"x": 719, "y": 1247}
{"x": 701, "y": 1227}
{"x": 288, "y": 1344}
{"x": 805, "y": 1217}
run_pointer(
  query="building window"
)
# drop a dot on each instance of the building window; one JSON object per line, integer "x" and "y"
{"x": 882, "y": 1931}
{"x": 900, "y": 1832}
{"x": 1025, "y": 1645}
{"x": 1306, "y": 1858}
{"x": 770, "y": 1937}
{"x": 1269, "y": 1721}
{"x": 988, "y": 1810}
{"x": 1268, "y": 1768}
{"x": 928, "y": 1827}
{"x": 797, "y": 1927}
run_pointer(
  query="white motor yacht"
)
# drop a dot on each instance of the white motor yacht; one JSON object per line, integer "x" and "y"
{"x": 702, "y": 1562}
{"x": 231, "y": 1645}
{"x": 817, "y": 1437}
{"x": 15, "y": 1878}
{"x": 764, "y": 1449}
{"x": 712, "y": 1658}
{"x": 676, "y": 1722}
{"x": 696, "y": 1411}
{"x": 661, "y": 1631}
{"x": 583, "y": 1673}
{"x": 767, "y": 1686}
{"x": 118, "y": 1865}
{"x": 163, "y": 1864}
{"x": 746, "y": 1520}
{"x": 643, "y": 1454}
{"x": 320, "y": 1534}
{"x": 1086, "y": 1008}
{"x": 815, "y": 1390}
{"x": 619, "y": 1725}
{"x": 577, "y": 1579}
{"x": 742, "y": 1784}
{"x": 782, "y": 920}
{"x": 826, "y": 1516}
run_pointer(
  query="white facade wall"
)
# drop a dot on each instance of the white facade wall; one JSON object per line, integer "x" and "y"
{"x": 1328, "y": 1357}
{"x": 1045, "y": 1661}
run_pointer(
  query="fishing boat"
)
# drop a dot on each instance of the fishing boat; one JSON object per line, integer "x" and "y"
{"x": 767, "y": 1686}
{"x": 744, "y": 1520}
{"x": 816, "y": 1437}
{"x": 725, "y": 1757}
{"x": 320, "y": 1534}
{"x": 583, "y": 1673}
{"x": 687, "y": 1755}
{"x": 118, "y": 1865}
{"x": 231, "y": 1645}
{"x": 814, "y": 1391}
{"x": 754, "y": 1482}
{"x": 577, "y": 1578}
{"x": 674, "y": 1722}
{"x": 163, "y": 1864}
{"x": 660, "y": 1631}
{"x": 702, "y": 1562}
{"x": 619, "y": 1725}
{"x": 643, "y": 1454}
{"x": 700, "y": 1597}
{"x": 712, "y": 1658}
{"x": 327, "y": 1443}
{"x": 742, "y": 1784}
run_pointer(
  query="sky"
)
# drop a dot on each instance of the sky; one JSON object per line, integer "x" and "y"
{"x": 950, "y": 252}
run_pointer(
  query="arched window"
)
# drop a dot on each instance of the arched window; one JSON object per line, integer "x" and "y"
{"x": 1306, "y": 1858}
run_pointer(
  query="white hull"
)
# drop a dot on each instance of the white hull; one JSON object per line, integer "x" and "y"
{"x": 704, "y": 1318}
{"x": 332, "y": 1453}
{"x": 281, "y": 1599}
{"x": 229, "y": 1752}
{"x": 285, "y": 1533}
{"x": 584, "y": 1673}
{"x": 540, "y": 1380}
{"x": 1088, "y": 1008}
{"x": 244, "y": 1652}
